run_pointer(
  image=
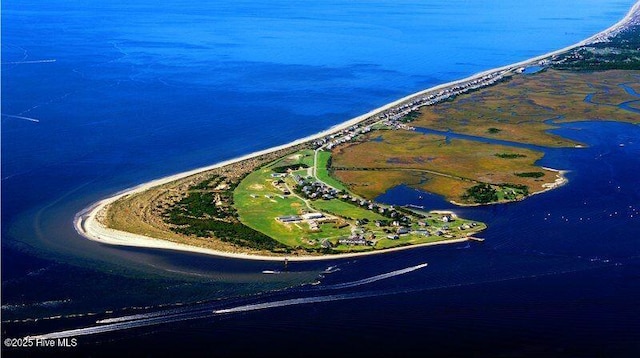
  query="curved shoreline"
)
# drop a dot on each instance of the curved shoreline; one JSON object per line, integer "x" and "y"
{"x": 561, "y": 180}
{"x": 87, "y": 225}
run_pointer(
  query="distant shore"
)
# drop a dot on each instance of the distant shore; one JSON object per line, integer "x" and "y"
{"x": 87, "y": 224}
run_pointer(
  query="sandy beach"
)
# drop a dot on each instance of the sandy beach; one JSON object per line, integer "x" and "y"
{"x": 87, "y": 224}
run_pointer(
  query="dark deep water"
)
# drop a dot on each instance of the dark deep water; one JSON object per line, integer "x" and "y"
{"x": 139, "y": 94}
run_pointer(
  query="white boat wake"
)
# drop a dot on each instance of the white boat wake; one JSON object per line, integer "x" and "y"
{"x": 372, "y": 279}
{"x": 29, "y": 62}
{"x": 208, "y": 311}
{"x": 183, "y": 314}
{"x": 22, "y": 117}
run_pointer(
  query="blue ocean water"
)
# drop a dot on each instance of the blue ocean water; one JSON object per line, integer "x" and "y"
{"x": 144, "y": 89}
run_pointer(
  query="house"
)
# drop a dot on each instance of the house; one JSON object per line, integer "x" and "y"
{"x": 403, "y": 231}
{"x": 354, "y": 240}
{"x": 288, "y": 218}
{"x": 311, "y": 216}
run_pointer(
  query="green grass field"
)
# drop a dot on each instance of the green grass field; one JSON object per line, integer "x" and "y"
{"x": 259, "y": 212}
{"x": 323, "y": 171}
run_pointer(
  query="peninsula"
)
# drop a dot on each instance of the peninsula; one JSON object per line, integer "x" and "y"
{"x": 474, "y": 141}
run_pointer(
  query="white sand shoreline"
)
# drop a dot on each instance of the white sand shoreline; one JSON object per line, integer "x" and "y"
{"x": 87, "y": 225}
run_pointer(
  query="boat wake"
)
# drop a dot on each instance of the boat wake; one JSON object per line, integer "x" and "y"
{"x": 21, "y": 117}
{"x": 372, "y": 279}
{"x": 213, "y": 309}
{"x": 293, "y": 302}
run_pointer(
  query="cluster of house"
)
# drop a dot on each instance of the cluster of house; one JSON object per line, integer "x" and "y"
{"x": 394, "y": 123}
{"x": 392, "y": 116}
{"x": 403, "y": 230}
{"x": 315, "y": 190}
{"x": 318, "y": 190}
{"x": 343, "y": 136}
{"x": 397, "y": 225}
{"x": 572, "y": 57}
{"x": 357, "y": 240}
{"x": 606, "y": 36}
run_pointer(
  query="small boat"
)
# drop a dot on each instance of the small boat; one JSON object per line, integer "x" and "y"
{"x": 270, "y": 272}
{"x": 331, "y": 269}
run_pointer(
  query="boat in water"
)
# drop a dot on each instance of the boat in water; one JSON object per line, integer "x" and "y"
{"x": 331, "y": 269}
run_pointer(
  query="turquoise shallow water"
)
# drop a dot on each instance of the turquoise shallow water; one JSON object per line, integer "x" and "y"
{"x": 143, "y": 89}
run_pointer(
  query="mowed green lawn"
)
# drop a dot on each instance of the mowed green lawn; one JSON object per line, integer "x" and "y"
{"x": 260, "y": 212}
{"x": 346, "y": 210}
{"x": 322, "y": 171}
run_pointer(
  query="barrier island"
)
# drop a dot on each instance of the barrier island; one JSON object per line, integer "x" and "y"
{"x": 475, "y": 141}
